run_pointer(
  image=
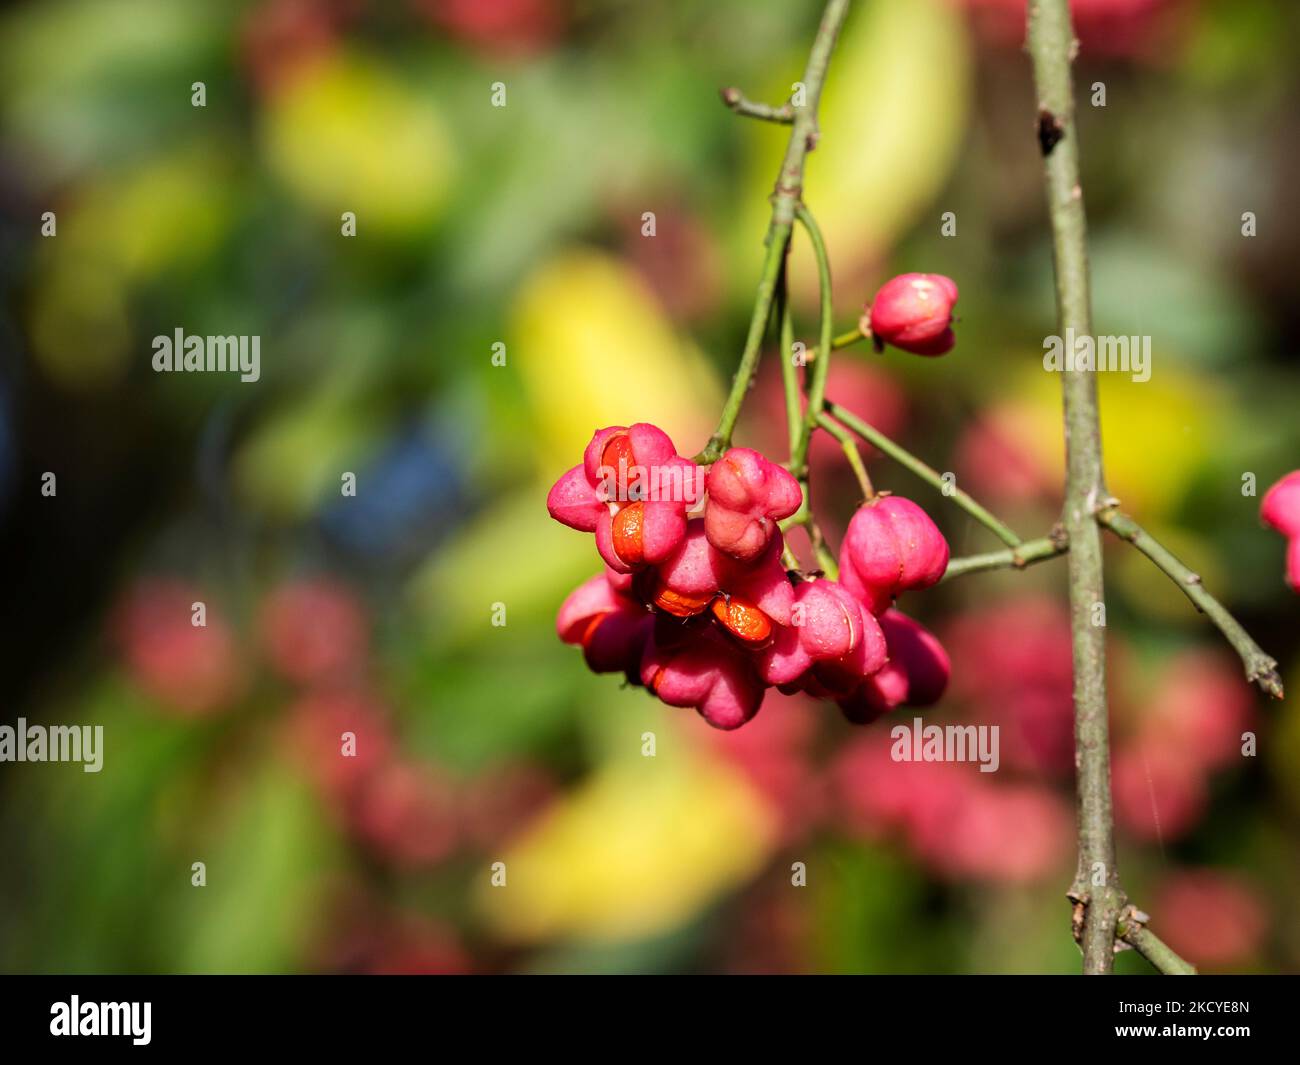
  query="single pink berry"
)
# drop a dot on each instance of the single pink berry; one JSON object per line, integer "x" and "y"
{"x": 572, "y": 501}
{"x": 633, "y": 491}
{"x": 826, "y": 622}
{"x": 891, "y": 546}
{"x": 1280, "y": 506}
{"x": 839, "y": 677}
{"x": 915, "y": 675}
{"x": 913, "y": 312}
{"x": 703, "y": 670}
{"x": 611, "y": 628}
{"x": 748, "y": 495}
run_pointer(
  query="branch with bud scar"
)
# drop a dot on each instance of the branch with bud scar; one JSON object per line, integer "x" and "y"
{"x": 739, "y": 103}
{"x": 1260, "y": 668}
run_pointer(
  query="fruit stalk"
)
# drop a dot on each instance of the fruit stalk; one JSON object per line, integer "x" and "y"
{"x": 785, "y": 198}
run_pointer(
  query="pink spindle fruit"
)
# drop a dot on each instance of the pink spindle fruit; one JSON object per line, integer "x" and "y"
{"x": 913, "y": 312}
{"x": 891, "y": 546}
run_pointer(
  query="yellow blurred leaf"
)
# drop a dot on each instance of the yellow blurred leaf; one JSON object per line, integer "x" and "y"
{"x": 594, "y": 349}
{"x": 1155, "y": 434}
{"x": 123, "y": 228}
{"x": 170, "y": 212}
{"x": 346, "y": 135}
{"x": 634, "y": 851}
{"x": 514, "y": 552}
{"x": 80, "y": 330}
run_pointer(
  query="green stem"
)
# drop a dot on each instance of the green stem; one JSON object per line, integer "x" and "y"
{"x": 851, "y": 452}
{"x": 816, "y": 388}
{"x": 789, "y": 374}
{"x": 785, "y": 197}
{"x": 928, "y": 474}
{"x": 1096, "y": 888}
{"x": 844, "y": 340}
{"x": 1260, "y": 668}
{"x": 1151, "y": 947}
{"x": 821, "y": 366}
{"x": 1026, "y": 554}
{"x": 778, "y": 239}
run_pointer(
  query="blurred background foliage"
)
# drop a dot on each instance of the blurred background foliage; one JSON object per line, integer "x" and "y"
{"x": 522, "y": 226}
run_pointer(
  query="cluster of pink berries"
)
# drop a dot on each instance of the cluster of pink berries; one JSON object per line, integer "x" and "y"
{"x": 1280, "y": 508}
{"x": 696, "y": 604}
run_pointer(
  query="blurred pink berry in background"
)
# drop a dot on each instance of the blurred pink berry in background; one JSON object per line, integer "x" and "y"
{"x": 419, "y": 946}
{"x": 317, "y": 732}
{"x": 1201, "y": 707}
{"x": 407, "y": 813}
{"x": 1013, "y": 665}
{"x": 994, "y": 462}
{"x": 281, "y": 37}
{"x": 369, "y": 935}
{"x": 957, "y": 821}
{"x": 1115, "y": 28}
{"x": 1209, "y": 917}
{"x": 775, "y": 751}
{"x": 683, "y": 264}
{"x": 314, "y": 631}
{"x": 1158, "y": 793}
{"x": 499, "y": 27}
{"x": 1190, "y": 725}
{"x": 501, "y": 801}
{"x": 190, "y": 669}
{"x": 1008, "y": 833}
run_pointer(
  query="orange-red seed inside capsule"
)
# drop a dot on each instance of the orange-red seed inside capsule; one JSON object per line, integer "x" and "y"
{"x": 619, "y": 459}
{"x": 628, "y": 535}
{"x": 679, "y": 605}
{"x": 743, "y": 619}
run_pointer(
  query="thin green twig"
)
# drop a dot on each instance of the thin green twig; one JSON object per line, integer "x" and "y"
{"x": 927, "y": 473}
{"x": 785, "y": 197}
